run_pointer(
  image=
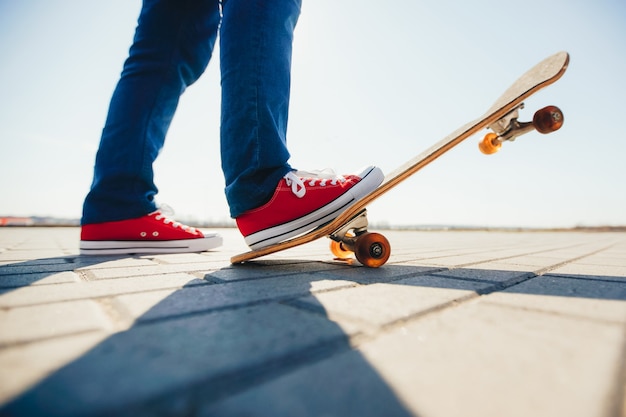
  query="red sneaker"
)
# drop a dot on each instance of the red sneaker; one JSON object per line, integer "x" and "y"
{"x": 303, "y": 201}
{"x": 152, "y": 233}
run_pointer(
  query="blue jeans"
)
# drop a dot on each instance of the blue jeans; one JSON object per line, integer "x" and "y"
{"x": 172, "y": 47}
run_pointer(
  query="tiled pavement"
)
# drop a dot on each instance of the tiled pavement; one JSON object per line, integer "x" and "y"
{"x": 456, "y": 324}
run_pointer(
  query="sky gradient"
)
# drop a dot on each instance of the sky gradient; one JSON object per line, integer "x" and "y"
{"x": 371, "y": 85}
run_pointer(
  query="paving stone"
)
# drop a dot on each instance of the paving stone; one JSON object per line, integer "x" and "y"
{"x": 534, "y": 260}
{"x": 582, "y": 298}
{"x": 508, "y": 266}
{"x": 479, "y": 273}
{"x": 450, "y": 261}
{"x": 34, "y": 253}
{"x": 73, "y": 262}
{"x": 22, "y": 280}
{"x": 151, "y": 269}
{"x": 183, "y": 258}
{"x": 381, "y": 304}
{"x": 343, "y": 385}
{"x": 41, "y": 294}
{"x": 200, "y": 358}
{"x": 32, "y": 269}
{"x": 161, "y": 304}
{"x": 97, "y": 262}
{"x": 26, "y": 268}
{"x": 64, "y": 260}
{"x": 23, "y": 366}
{"x": 388, "y": 273}
{"x": 575, "y": 252}
{"x": 458, "y": 362}
{"x": 267, "y": 268}
{"x": 473, "y": 361}
{"x": 604, "y": 259}
{"x": 576, "y": 269}
{"x": 505, "y": 324}
{"x": 27, "y": 324}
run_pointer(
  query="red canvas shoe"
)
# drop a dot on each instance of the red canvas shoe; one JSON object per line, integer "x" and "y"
{"x": 303, "y": 201}
{"x": 152, "y": 233}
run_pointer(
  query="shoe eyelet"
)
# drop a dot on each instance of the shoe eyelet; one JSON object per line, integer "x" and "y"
{"x": 143, "y": 234}
{"x": 155, "y": 234}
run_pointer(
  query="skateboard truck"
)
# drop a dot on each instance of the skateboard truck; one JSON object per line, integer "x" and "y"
{"x": 508, "y": 128}
{"x": 370, "y": 249}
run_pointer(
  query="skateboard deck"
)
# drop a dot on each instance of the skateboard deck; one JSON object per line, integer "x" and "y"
{"x": 349, "y": 230}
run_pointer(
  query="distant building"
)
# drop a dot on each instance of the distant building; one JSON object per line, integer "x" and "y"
{"x": 16, "y": 221}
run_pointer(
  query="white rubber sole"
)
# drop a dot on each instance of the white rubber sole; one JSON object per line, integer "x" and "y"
{"x": 371, "y": 178}
{"x": 210, "y": 241}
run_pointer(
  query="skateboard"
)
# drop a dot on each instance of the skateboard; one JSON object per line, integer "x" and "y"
{"x": 348, "y": 232}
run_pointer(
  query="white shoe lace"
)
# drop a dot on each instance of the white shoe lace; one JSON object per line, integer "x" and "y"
{"x": 296, "y": 180}
{"x": 164, "y": 212}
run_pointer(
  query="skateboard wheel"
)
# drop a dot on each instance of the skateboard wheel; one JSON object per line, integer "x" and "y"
{"x": 490, "y": 144}
{"x": 340, "y": 250}
{"x": 548, "y": 119}
{"x": 372, "y": 249}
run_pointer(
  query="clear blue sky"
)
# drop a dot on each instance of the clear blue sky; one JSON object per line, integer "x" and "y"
{"x": 373, "y": 82}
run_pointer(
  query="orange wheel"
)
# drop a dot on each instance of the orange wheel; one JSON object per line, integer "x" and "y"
{"x": 490, "y": 144}
{"x": 340, "y": 250}
{"x": 372, "y": 249}
{"x": 548, "y": 119}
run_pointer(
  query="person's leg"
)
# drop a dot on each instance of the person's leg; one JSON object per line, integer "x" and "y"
{"x": 270, "y": 202}
{"x": 255, "y": 57}
{"x": 171, "y": 49}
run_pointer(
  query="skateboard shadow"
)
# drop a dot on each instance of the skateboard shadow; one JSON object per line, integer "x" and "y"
{"x": 258, "y": 344}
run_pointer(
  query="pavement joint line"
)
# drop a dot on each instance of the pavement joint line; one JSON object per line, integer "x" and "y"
{"x": 456, "y": 254}
{"x": 500, "y": 286}
{"x": 238, "y": 306}
{"x": 517, "y": 307}
{"x": 507, "y": 257}
{"x": 211, "y": 280}
{"x": 257, "y": 278}
{"x": 83, "y": 275}
{"x": 93, "y": 298}
{"x": 571, "y": 260}
{"x": 456, "y": 302}
{"x": 584, "y": 348}
{"x": 433, "y": 270}
{"x": 126, "y": 321}
{"x": 467, "y": 279}
{"x": 368, "y": 329}
{"x": 537, "y": 273}
{"x": 374, "y": 331}
{"x": 232, "y": 382}
{"x": 194, "y": 272}
{"x": 40, "y": 339}
{"x": 118, "y": 317}
{"x": 471, "y": 263}
{"x": 580, "y": 278}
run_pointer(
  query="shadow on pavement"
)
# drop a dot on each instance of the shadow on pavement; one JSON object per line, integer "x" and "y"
{"x": 181, "y": 364}
{"x": 192, "y": 351}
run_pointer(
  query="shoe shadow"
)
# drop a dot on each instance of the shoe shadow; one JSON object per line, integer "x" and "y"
{"x": 260, "y": 339}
